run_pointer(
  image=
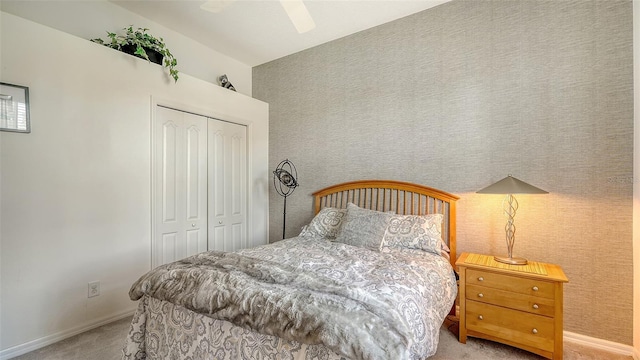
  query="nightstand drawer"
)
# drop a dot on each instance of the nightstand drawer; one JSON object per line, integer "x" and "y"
{"x": 528, "y": 303}
{"x": 521, "y": 327}
{"x": 516, "y": 284}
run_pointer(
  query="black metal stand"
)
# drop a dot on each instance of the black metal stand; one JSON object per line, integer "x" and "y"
{"x": 284, "y": 217}
{"x": 284, "y": 181}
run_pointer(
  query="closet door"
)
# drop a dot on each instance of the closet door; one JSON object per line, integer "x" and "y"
{"x": 227, "y": 186}
{"x": 180, "y": 173}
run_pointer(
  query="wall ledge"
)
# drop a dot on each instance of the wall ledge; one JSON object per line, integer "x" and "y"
{"x": 601, "y": 344}
{"x": 59, "y": 336}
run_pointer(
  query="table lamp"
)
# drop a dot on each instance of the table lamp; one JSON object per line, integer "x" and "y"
{"x": 510, "y": 186}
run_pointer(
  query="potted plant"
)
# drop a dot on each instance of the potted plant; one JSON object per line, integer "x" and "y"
{"x": 143, "y": 45}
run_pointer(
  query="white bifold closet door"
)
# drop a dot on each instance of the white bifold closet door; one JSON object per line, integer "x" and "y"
{"x": 200, "y": 185}
{"x": 227, "y": 186}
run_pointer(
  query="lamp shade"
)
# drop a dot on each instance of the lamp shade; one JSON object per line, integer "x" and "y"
{"x": 511, "y": 185}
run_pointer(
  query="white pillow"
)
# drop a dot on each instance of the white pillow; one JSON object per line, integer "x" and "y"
{"x": 325, "y": 224}
{"x": 421, "y": 232}
{"x": 363, "y": 228}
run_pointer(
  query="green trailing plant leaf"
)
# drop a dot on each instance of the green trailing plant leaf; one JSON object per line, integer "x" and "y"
{"x": 140, "y": 51}
{"x": 142, "y": 41}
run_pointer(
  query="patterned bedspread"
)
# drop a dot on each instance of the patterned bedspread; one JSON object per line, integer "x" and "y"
{"x": 304, "y": 292}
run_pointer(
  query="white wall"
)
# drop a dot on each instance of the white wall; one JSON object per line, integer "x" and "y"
{"x": 81, "y": 18}
{"x": 76, "y": 191}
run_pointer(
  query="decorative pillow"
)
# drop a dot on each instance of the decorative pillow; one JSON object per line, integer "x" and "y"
{"x": 325, "y": 224}
{"x": 422, "y": 232}
{"x": 363, "y": 228}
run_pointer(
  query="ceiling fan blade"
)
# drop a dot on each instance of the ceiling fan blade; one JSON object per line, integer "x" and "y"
{"x": 299, "y": 15}
{"x": 216, "y": 6}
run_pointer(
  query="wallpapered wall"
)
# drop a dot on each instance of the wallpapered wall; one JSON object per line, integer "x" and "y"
{"x": 458, "y": 97}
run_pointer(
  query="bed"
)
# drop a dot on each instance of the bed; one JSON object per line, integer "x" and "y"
{"x": 370, "y": 277}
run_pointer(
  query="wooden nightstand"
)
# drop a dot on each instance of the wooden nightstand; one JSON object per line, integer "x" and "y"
{"x": 518, "y": 305}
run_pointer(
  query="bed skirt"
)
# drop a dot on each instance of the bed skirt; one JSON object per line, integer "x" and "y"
{"x": 162, "y": 330}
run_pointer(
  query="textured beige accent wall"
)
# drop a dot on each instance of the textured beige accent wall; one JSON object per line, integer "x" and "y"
{"x": 458, "y": 97}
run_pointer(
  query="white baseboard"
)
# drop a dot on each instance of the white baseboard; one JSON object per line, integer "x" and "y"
{"x": 601, "y": 344}
{"x": 53, "y": 338}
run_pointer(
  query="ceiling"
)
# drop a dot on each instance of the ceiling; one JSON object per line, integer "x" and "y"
{"x": 250, "y": 31}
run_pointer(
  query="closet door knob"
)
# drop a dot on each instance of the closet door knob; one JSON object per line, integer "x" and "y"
{"x": 480, "y": 317}
{"x": 535, "y": 331}
{"x": 480, "y": 278}
{"x": 480, "y": 295}
{"x": 193, "y": 225}
{"x": 535, "y": 306}
{"x": 535, "y": 288}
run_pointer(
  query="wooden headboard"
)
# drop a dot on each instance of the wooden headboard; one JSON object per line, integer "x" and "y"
{"x": 400, "y": 197}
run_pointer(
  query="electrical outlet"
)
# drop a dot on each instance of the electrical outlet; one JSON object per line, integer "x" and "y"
{"x": 94, "y": 289}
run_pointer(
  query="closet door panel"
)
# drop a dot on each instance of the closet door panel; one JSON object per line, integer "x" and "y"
{"x": 167, "y": 248}
{"x": 216, "y": 169}
{"x": 227, "y": 186}
{"x": 238, "y": 193}
{"x": 194, "y": 242}
{"x": 195, "y": 183}
{"x": 169, "y": 172}
{"x": 181, "y": 185}
{"x": 194, "y": 188}
{"x": 238, "y": 236}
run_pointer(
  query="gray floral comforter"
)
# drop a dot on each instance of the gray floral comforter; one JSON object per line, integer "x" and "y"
{"x": 359, "y": 303}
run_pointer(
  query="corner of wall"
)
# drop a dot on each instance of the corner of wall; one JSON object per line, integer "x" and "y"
{"x": 636, "y": 183}
{"x": 0, "y": 231}
{"x": 1, "y": 196}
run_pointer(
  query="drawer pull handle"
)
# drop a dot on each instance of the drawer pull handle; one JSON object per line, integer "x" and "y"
{"x": 535, "y": 306}
{"x": 480, "y": 295}
{"x": 535, "y": 331}
{"x": 480, "y": 278}
{"x": 535, "y": 288}
{"x": 481, "y": 318}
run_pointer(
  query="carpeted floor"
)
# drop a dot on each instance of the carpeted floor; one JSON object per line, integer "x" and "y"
{"x": 102, "y": 343}
{"x": 105, "y": 342}
{"x": 479, "y": 349}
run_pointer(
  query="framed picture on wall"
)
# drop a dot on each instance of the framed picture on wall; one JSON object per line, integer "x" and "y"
{"x": 14, "y": 108}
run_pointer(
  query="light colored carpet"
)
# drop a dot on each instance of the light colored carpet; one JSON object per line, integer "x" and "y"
{"x": 479, "y": 349}
{"x": 105, "y": 342}
{"x": 102, "y": 343}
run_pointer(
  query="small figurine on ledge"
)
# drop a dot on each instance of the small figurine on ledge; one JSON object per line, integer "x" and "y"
{"x": 224, "y": 82}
